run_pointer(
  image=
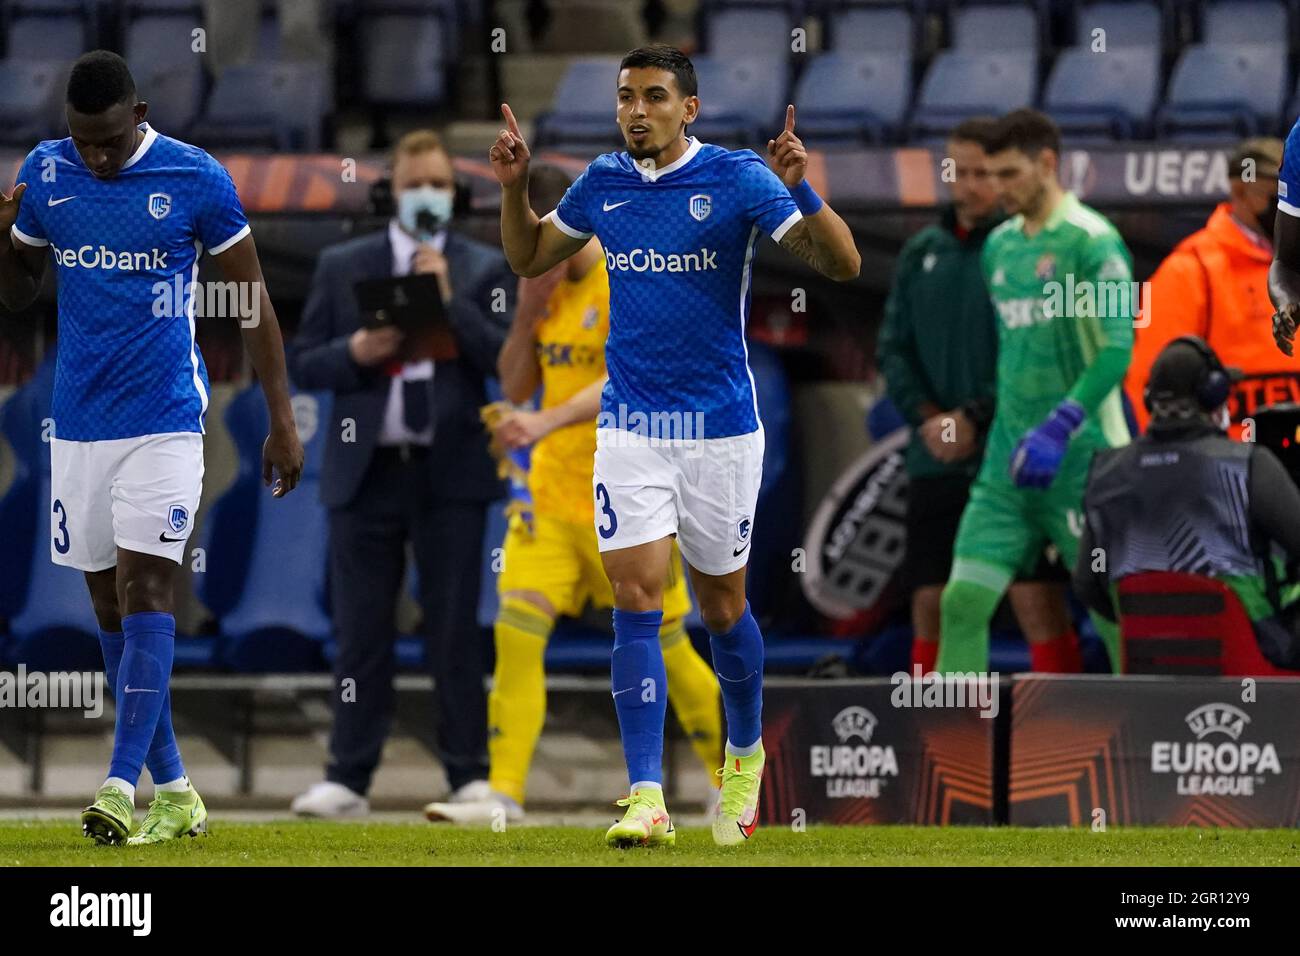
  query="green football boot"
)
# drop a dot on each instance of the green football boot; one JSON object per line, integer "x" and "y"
{"x": 172, "y": 815}
{"x": 108, "y": 818}
{"x": 646, "y": 822}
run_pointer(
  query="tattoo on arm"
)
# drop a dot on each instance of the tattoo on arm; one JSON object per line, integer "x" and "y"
{"x": 798, "y": 241}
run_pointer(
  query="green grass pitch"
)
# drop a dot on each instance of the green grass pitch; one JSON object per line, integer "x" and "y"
{"x": 297, "y": 843}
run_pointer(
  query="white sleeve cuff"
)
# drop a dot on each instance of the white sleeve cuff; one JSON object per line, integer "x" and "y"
{"x": 223, "y": 246}
{"x": 782, "y": 229}
{"x": 28, "y": 240}
{"x": 564, "y": 227}
{"x": 1287, "y": 208}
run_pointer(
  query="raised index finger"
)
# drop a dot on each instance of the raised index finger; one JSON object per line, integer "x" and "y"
{"x": 789, "y": 118}
{"x": 511, "y": 123}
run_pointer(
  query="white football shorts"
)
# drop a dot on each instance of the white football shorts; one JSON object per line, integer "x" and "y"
{"x": 704, "y": 491}
{"x": 134, "y": 493}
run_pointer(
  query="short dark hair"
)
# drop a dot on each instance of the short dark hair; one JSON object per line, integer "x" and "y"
{"x": 99, "y": 79}
{"x": 1026, "y": 130}
{"x": 660, "y": 56}
{"x": 977, "y": 130}
{"x": 547, "y": 185}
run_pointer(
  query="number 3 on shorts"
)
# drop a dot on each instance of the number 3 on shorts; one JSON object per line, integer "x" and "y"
{"x": 61, "y": 546}
{"x": 602, "y": 502}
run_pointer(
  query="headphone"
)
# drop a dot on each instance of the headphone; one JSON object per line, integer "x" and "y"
{"x": 381, "y": 202}
{"x": 1213, "y": 385}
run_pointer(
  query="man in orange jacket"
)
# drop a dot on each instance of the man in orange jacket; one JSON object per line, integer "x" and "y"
{"x": 1215, "y": 285}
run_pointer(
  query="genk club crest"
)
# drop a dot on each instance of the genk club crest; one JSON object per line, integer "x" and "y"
{"x": 178, "y": 517}
{"x": 1045, "y": 268}
{"x": 701, "y": 205}
{"x": 160, "y": 204}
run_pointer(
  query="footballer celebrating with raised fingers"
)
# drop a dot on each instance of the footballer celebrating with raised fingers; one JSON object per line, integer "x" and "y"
{"x": 679, "y": 444}
{"x": 125, "y": 212}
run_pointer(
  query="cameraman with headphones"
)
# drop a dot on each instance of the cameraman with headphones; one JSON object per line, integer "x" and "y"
{"x": 1185, "y": 497}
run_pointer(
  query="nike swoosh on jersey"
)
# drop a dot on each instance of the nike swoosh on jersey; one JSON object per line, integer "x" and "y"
{"x": 739, "y": 551}
{"x": 51, "y": 201}
{"x": 163, "y": 537}
{"x": 138, "y": 690}
{"x": 606, "y": 207}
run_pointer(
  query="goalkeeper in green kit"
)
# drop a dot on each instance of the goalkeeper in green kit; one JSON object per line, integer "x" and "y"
{"x": 1061, "y": 281}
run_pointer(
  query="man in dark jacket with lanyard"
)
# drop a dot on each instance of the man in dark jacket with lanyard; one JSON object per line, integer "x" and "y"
{"x": 938, "y": 353}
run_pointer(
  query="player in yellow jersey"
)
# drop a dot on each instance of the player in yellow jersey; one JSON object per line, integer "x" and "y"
{"x": 551, "y": 563}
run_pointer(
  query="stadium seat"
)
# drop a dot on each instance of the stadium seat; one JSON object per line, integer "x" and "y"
{"x": 20, "y": 429}
{"x": 1247, "y": 22}
{"x": 748, "y": 32}
{"x": 31, "y": 100}
{"x": 779, "y": 513}
{"x": 1223, "y": 93}
{"x": 1008, "y": 26}
{"x": 584, "y": 104}
{"x": 871, "y": 30}
{"x": 1096, "y": 97}
{"x": 52, "y": 627}
{"x": 174, "y": 93}
{"x": 1184, "y": 624}
{"x": 743, "y": 100}
{"x": 1132, "y": 24}
{"x": 274, "y": 106}
{"x": 48, "y": 29}
{"x": 851, "y": 97}
{"x": 404, "y": 55}
{"x": 593, "y": 26}
{"x": 269, "y": 554}
{"x": 961, "y": 84}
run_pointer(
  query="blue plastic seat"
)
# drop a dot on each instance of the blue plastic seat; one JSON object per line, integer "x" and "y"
{"x": 53, "y": 627}
{"x": 31, "y": 100}
{"x": 851, "y": 97}
{"x": 743, "y": 100}
{"x": 583, "y": 110}
{"x": 20, "y": 428}
{"x": 1135, "y": 23}
{"x": 1007, "y": 26}
{"x": 871, "y": 30}
{"x": 273, "y": 616}
{"x": 1247, "y": 22}
{"x": 961, "y": 84}
{"x": 273, "y": 106}
{"x": 1223, "y": 92}
{"x": 48, "y": 29}
{"x": 404, "y": 57}
{"x": 1095, "y": 97}
{"x": 749, "y": 31}
{"x": 174, "y": 93}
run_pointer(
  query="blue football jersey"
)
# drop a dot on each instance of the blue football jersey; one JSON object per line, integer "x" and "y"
{"x": 679, "y": 248}
{"x": 123, "y": 249}
{"x": 1288, "y": 180}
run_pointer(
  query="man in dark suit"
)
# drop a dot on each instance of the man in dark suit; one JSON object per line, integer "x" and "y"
{"x": 407, "y": 462}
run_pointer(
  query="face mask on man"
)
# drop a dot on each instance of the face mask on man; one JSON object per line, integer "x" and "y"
{"x": 424, "y": 210}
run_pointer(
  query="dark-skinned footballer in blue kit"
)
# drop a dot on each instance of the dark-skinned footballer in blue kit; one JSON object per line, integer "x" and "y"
{"x": 125, "y": 212}
{"x": 679, "y": 445}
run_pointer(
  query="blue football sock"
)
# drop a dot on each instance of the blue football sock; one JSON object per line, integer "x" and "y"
{"x": 738, "y": 662}
{"x": 164, "y": 760}
{"x": 640, "y": 688}
{"x": 146, "y": 666}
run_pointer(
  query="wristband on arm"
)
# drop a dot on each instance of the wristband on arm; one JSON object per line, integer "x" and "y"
{"x": 806, "y": 198}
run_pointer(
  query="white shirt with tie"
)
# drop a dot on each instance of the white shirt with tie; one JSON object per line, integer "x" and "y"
{"x": 394, "y": 430}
